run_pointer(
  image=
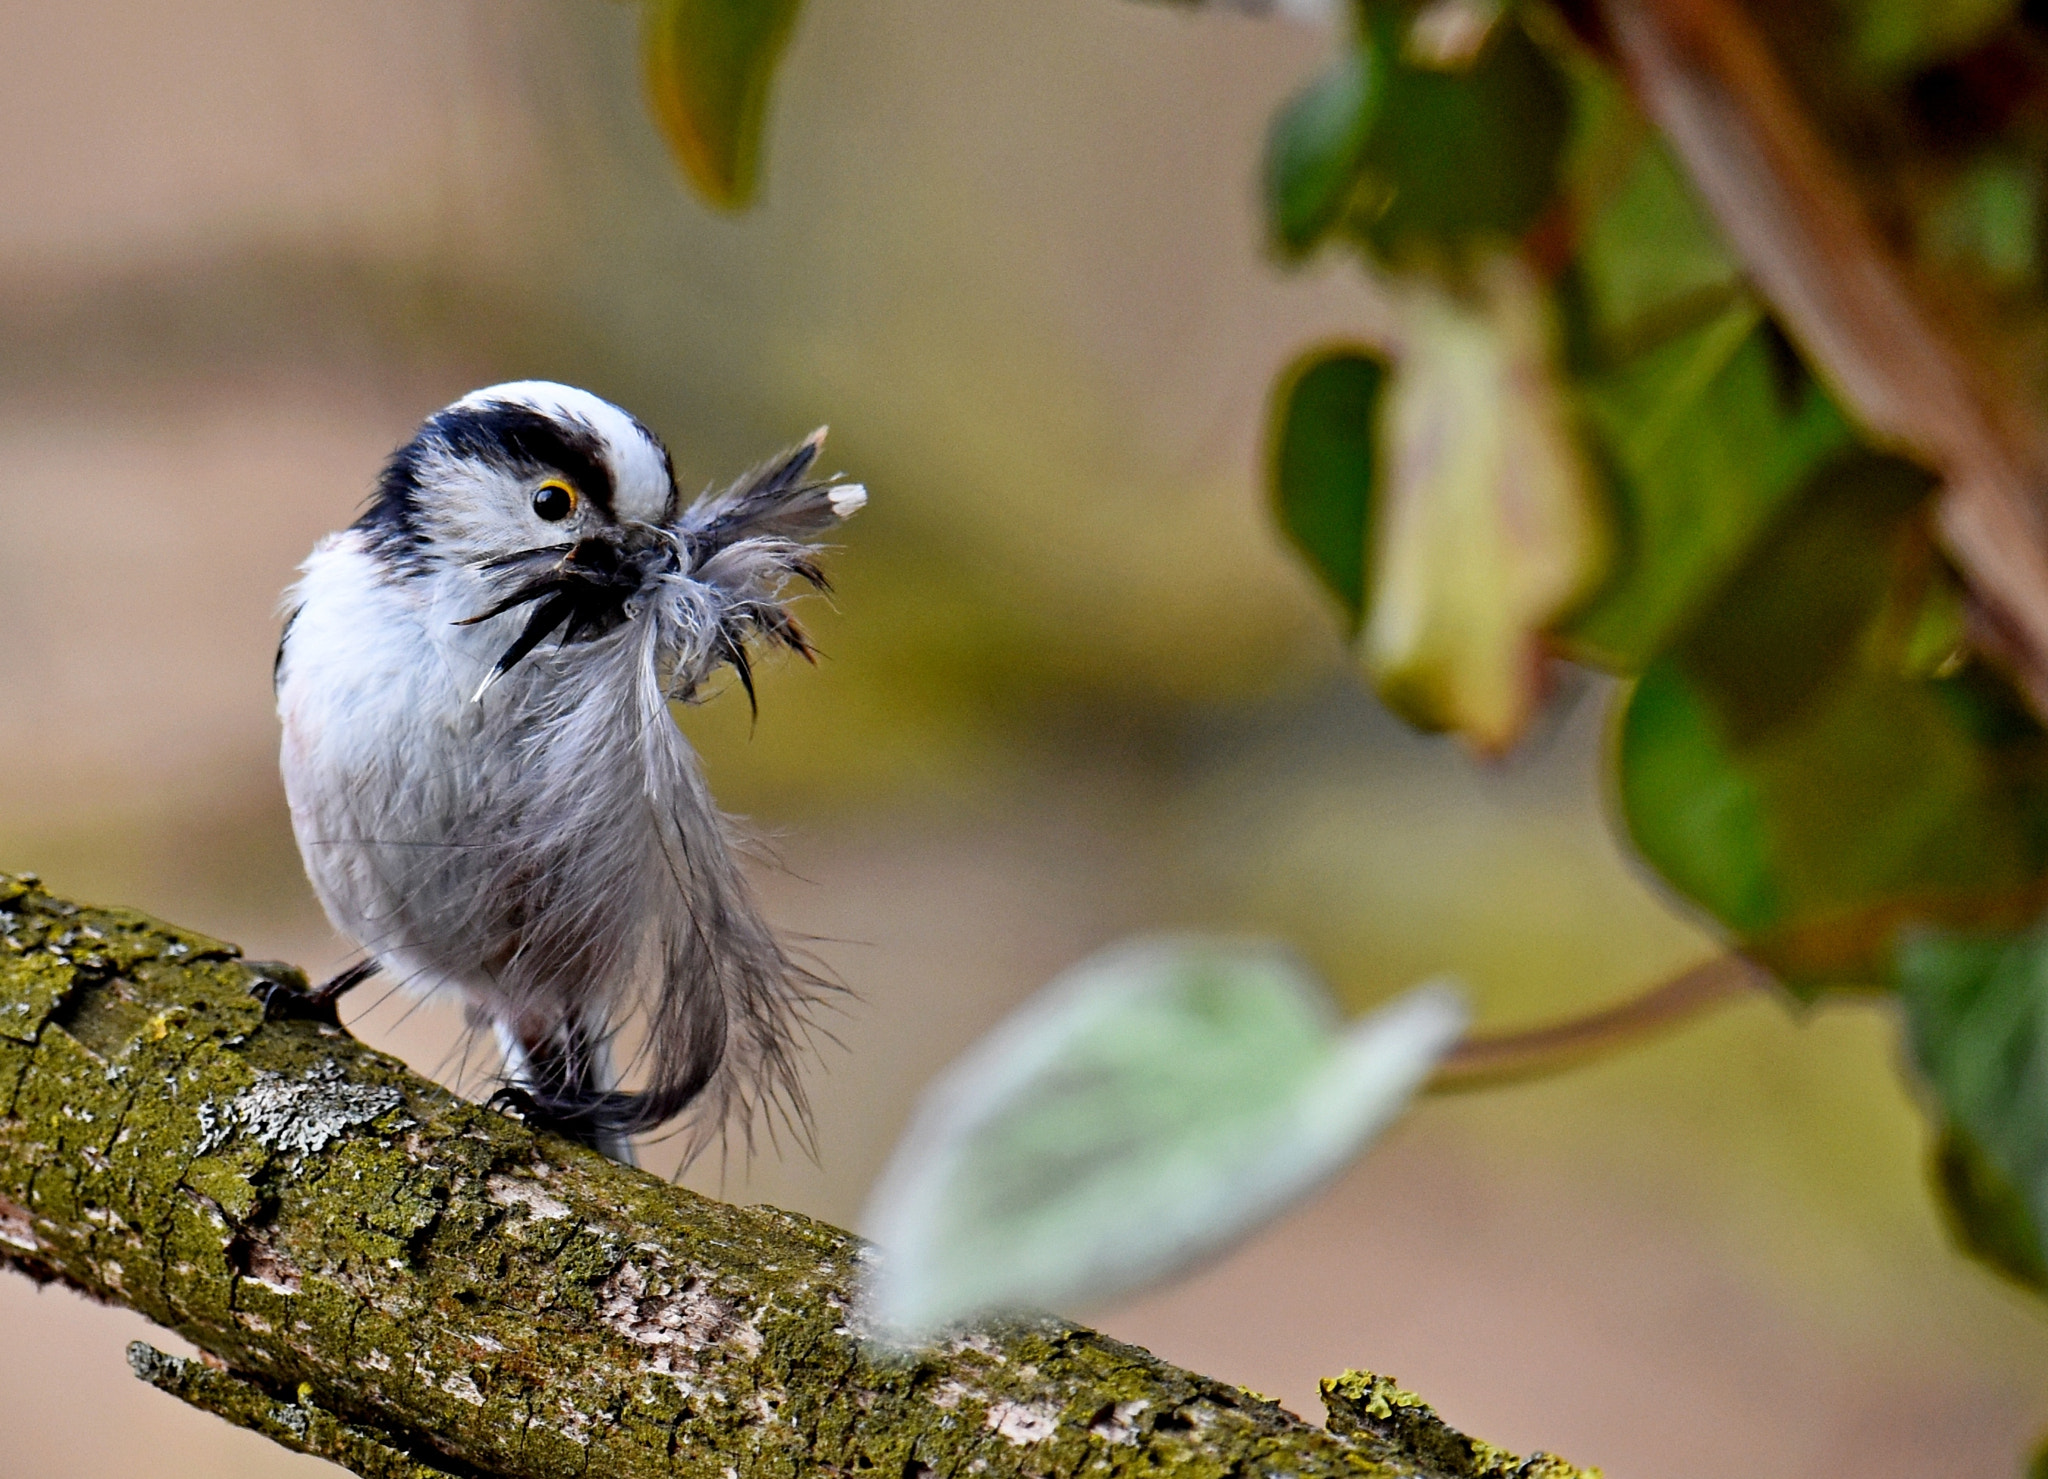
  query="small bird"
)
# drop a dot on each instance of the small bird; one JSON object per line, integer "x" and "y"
{"x": 519, "y": 820}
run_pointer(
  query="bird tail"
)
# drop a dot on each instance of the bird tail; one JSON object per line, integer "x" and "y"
{"x": 728, "y": 1009}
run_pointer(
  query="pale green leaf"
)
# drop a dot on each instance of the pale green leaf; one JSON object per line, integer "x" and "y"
{"x": 1489, "y": 529}
{"x": 1142, "y": 1112}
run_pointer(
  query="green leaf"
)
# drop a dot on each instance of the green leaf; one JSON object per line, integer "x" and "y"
{"x": 708, "y": 66}
{"x": 1986, "y": 1215}
{"x": 1488, "y": 528}
{"x": 1144, "y": 1111}
{"x": 1315, "y": 149}
{"x": 1782, "y": 767}
{"x": 1990, "y": 217}
{"x": 1466, "y": 153}
{"x": 1704, "y": 437}
{"x": 1651, "y": 257}
{"x": 1977, "y": 1021}
{"x": 1896, "y": 36}
{"x": 1325, "y": 446}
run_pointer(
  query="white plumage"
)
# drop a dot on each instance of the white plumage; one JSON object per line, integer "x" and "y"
{"x": 546, "y": 847}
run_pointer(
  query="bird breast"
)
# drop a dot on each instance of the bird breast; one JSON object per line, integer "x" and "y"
{"x": 492, "y": 845}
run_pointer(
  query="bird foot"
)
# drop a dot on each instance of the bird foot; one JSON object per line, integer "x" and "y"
{"x": 515, "y": 1103}
{"x": 287, "y": 997}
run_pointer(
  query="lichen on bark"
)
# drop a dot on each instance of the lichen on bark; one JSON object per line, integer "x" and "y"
{"x": 416, "y": 1287}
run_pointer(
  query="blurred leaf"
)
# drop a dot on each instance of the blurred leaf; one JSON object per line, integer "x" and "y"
{"x": 1987, "y": 1218}
{"x": 1604, "y": 147}
{"x": 1459, "y": 154}
{"x": 1779, "y": 767}
{"x": 1977, "y": 1020}
{"x": 1651, "y": 258}
{"x": 1991, "y": 219}
{"x": 1488, "y": 530}
{"x": 1142, "y": 1112}
{"x": 708, "y": 66}
{"x": 1316, "y": 147}
{"x": 1324, "y": 448}
{"x": 1705, "y": 437}
{"x": 1937, "y": 641}
{"x": 1448, "y": 35}
{"x": 1894, "y": 36}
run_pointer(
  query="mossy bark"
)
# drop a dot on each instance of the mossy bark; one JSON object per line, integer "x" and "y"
{"x": 411, "y": 1285}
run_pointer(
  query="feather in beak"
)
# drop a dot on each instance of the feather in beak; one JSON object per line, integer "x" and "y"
{"x": 582, "y": 588}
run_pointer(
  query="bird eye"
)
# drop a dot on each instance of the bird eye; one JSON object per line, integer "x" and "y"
{"x": 554, "y": 501}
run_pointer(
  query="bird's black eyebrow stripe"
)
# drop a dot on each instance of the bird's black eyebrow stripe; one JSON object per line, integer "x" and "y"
{"x": 529, "y": 441}
{"x": 500, "y": 433}
{"x": 391, "y": 519}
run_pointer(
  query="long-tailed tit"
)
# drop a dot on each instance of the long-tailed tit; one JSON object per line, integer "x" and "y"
{"x": 489, "y": 791}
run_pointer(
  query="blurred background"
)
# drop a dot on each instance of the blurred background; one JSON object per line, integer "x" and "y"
{"x": 1072, "y": 686}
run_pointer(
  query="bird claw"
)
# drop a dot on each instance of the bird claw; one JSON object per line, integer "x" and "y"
{"x": 518, "y": 1103}
{"x": 515, "y": 1103}
{"x": 286, "y": 999}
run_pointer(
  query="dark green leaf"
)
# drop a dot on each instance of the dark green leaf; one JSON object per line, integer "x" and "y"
{"x": 1977, "y": 1019}
{"x": 708, "y": 67}
{"x": 1474, "y": 152}
{"x": 1782, "y": 767}
{"x": 1896, "y": 36}
{"x": 1704, "y": 438}
{"x": 1325, "y": 442}
{"x": 1315, "y": 149}
{"x": 1986, "y": 1214}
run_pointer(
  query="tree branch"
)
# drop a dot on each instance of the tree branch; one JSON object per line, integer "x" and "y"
{"x": 1704, "y": 74}
{"x": 419, "y": 1288}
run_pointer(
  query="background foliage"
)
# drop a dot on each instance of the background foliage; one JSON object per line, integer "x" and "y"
{"x": 1584, "y": 432}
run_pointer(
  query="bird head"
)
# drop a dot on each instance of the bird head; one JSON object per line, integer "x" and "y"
{"x": 555, "y": 499}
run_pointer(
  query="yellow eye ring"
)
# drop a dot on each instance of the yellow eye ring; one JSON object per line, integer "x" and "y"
{"x": 554, "y": 501}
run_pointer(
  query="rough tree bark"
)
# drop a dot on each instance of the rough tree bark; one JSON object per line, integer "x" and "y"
{"x": 416, "y": 1287}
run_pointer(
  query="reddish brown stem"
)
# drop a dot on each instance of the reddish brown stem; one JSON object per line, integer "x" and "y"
{"x": 1509, "y": 1057}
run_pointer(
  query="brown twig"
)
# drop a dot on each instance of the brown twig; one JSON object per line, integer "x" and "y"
{"x": 1704, "y": 74}
{"x": 1509, "y": 1057}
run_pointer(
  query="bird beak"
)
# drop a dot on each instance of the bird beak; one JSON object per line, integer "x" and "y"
{"x": 581, "y": 587}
